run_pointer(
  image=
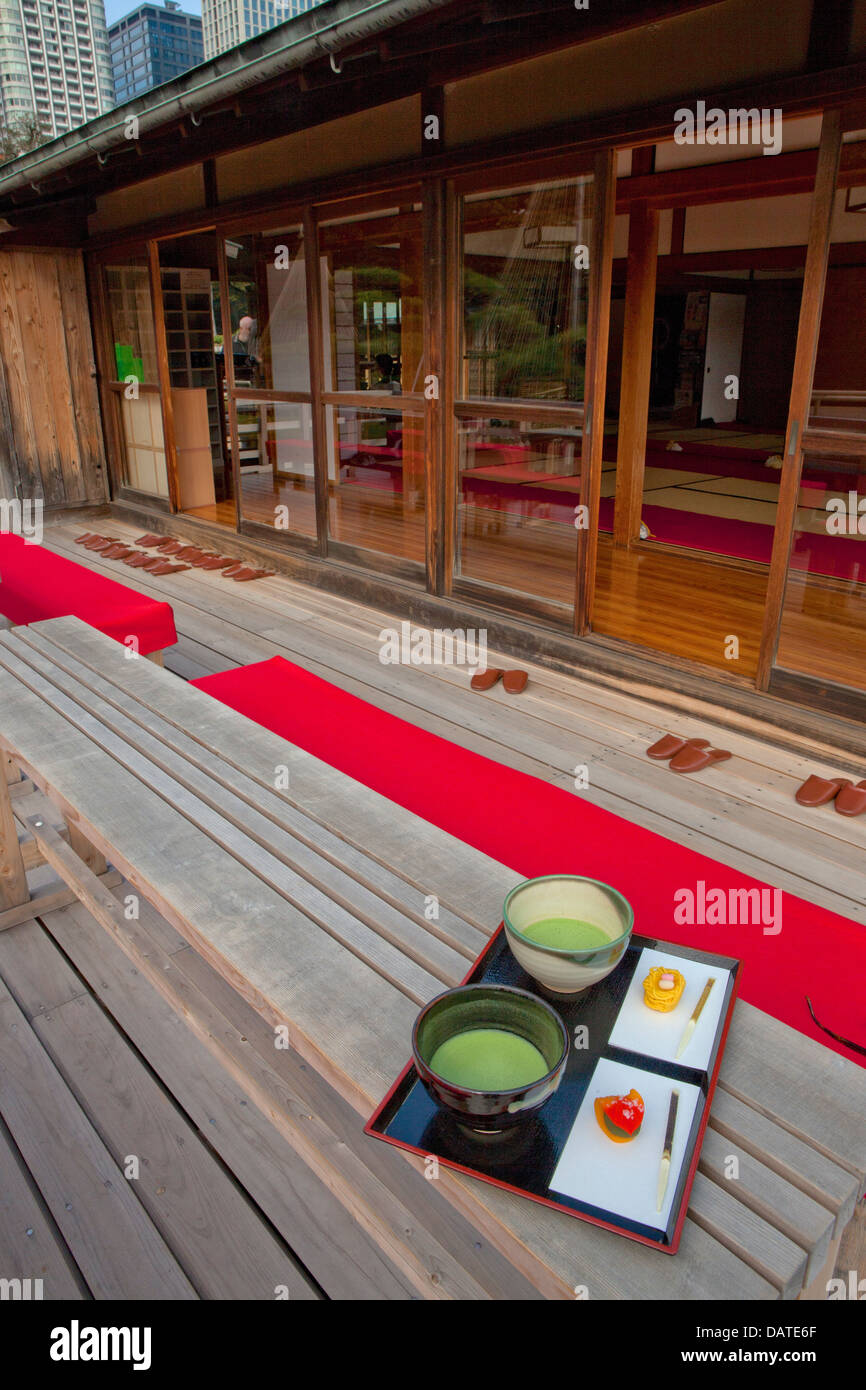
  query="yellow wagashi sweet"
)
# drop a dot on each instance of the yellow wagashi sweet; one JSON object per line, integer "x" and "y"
{"x": 662, "y": 988}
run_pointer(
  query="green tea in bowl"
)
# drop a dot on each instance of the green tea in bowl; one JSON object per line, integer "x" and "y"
{"x": 567, "y": 931}
{"x": 490, "y": 1054}
{"x": 566, "y": 934}
{"x": 488, "y": 1059}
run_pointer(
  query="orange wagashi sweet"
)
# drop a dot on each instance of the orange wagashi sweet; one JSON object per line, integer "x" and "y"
{"x": 663, "y": 988}
{"x": 620, "y": 1116}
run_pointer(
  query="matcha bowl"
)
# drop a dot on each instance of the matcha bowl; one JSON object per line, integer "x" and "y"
{"x": 566, "y": 931}
{"x": 490, "y": 1054}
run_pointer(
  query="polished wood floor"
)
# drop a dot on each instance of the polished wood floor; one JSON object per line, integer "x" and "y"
{"x": 704, "y": 609}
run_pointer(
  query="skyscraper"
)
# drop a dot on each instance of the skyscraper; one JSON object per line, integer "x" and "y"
{"x": 54, "y": 62}
{"x": 152, "y": 44}
{"x": 230, "y": 22}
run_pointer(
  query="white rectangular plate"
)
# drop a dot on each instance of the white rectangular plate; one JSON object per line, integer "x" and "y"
{"x": 623, "y": 1178}
{"x": 645, "y": 1030}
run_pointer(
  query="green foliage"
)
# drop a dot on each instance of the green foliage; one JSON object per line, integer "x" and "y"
{"x": 20, "y": 134}
{"x": 524, "y": 349}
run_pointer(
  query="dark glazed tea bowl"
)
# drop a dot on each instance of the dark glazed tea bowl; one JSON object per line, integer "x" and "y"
{"x": 499, "y": 1007}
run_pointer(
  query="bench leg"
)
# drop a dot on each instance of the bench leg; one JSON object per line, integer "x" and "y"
{"x": 156, "y": 658}
{"x": 87, "y": 852}
{"x": 13, "y": 878}
{"x": 10, "y": 769}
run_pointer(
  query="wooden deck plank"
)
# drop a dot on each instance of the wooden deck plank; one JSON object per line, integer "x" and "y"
{"x": 39, "y": 980}
{"x": 397, "y": 964}
{"x": 808, "y": 1089}
{"x": 417, "y": 1195}
{"x": 769, "y": 1195}
{"x": 472, "y": 885}
{"x": 141, "y": 989}
{"x": 114, "y": 1242}
{"x": 226, "y": 1249}
{"x": 321, "y": 987}
{"x": 262, "y": 812}
{"x": 30, "y": 1245}
{"x": 794, "y": 1158}
{"x": 741, "y": 1230}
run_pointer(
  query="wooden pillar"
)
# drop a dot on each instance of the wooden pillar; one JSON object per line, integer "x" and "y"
{"x": 13, "y": 878}
{"x": 86, "y": 852}
{"x": 637, "y": 345}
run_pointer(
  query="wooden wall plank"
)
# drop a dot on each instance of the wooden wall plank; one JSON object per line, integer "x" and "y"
{"x": 14, "y": 360}
{"x": 48, "y": 404}
{"x": 82, "y": 375}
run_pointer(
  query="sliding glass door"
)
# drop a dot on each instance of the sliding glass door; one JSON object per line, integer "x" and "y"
{"x": 371, "y": 295}
{"x": 266, "y": 364}
{"x": 705, "y": 306}
{"x": 523, "y": 287}
{"x": 822, "y": 628}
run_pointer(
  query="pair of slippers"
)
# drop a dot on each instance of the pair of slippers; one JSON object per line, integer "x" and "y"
{"x": 848, "y": 799}
{"x": 513, "y": 682}
{"x": 686, "y": 754}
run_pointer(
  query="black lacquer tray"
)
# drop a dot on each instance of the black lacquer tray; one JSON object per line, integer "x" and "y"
{"x": 524, "y": 1160}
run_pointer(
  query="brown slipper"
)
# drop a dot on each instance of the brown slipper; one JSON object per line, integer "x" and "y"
{"x": 851, "y": 800}
{"x": 817, "y": 791}
{"x": 670, "y": 744}
{"x": 100, "y": 542}
{"x": 149, "y": 539}
{"x": 88, "y": 536}
{"x": 118, "y": 551}
{"x": 696, "y": 759}
{"x": 513, "y": 682}
{"x": 151, "y": 563}
{"x": 188, "y": 552}
{"x": 244, "y": 576}
{"x": 166, "y": 567}
{"x": 485, "y": 680}
{"x": 169, "y": 547}
{"x": 213, "y": 562}
{"x": 229, "y": 571}
{"x": 136, "y": 561}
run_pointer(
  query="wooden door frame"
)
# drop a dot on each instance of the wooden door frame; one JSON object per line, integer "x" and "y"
{"x": 808, "y": 332}
{"x": 163, "y": 374}
{"x": 598, "y": 324}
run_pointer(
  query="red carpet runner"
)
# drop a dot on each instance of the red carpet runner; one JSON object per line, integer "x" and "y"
{"x": 536, "y": 828}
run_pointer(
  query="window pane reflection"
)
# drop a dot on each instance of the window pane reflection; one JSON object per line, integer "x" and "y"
{"x": 372, "y": 270}
{"x": 268, "y": 294}
{"x": 277, "y": 482}
{"x": 525, "y": 291}
{"x": 130, "y": 311}
{"x": 376, "y": 480}
{"x": 517, "y": 507}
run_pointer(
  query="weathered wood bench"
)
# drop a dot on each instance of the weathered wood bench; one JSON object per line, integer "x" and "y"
{"x": 310, "y": 901}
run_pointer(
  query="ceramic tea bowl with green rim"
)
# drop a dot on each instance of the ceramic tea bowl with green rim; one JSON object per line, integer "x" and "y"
{"x": 567, "y": 931}
{"x": 490, "y": 1054}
